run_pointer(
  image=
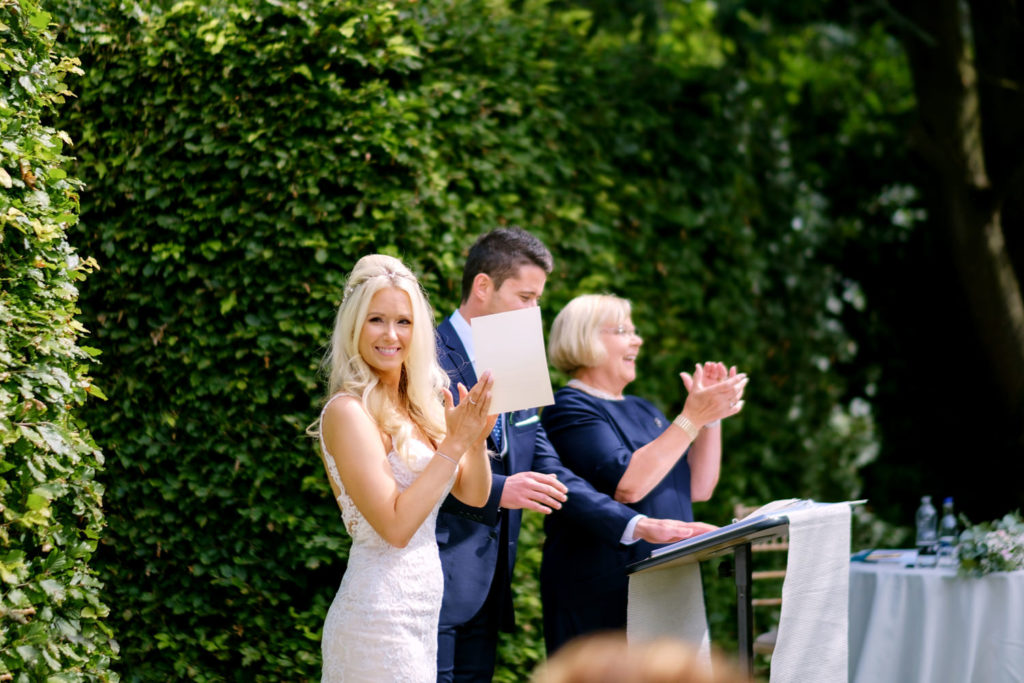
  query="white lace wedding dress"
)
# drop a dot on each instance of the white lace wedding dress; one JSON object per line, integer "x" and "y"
{"x": 382, "y": 625}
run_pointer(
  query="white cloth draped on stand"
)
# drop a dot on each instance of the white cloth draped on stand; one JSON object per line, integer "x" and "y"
{"x": 812, "y": 642}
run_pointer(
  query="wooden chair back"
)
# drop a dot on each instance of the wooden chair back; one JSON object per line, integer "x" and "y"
{"x": 764, "y": 643}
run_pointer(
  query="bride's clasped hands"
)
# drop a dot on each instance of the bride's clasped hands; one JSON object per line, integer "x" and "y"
{"x": 468, "y": 425}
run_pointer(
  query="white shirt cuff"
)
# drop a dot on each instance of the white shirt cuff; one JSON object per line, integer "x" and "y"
{"x": 627, "y": 535}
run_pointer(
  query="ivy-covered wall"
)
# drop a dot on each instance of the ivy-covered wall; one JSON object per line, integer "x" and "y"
{"x": 52, "y": 617}
{"x": 239, "y": 158}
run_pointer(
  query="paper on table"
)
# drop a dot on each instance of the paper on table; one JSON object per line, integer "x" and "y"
{"x": 511, "y": 346}
{"x": 898, "y": 556}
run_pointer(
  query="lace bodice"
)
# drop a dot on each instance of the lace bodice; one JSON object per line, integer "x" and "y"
{"x": 356, "y": 525}
{"x": 382, "y": 625}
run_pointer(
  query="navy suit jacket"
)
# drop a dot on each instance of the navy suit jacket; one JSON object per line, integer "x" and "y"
{"x": 468, "y": 538}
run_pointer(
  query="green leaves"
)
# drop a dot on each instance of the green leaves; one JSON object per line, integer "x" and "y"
{"x": 996, "y": 546}
{"x": 50, "y": 511}
{"x": 39, "y": 20}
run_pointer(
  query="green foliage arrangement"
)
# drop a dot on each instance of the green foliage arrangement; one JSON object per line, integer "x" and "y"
{"x": 51, "y": 614}
{"x": 241, "y": 156}
{"x": 996, "y": 546}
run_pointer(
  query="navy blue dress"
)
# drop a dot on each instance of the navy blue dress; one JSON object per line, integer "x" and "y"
{"x": 583, "y": 572}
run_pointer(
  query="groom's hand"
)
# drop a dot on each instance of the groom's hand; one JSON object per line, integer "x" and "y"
{"x": 533, "y": 491}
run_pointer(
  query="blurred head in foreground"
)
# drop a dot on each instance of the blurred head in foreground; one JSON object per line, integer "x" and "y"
{"x": 608, "y": 658}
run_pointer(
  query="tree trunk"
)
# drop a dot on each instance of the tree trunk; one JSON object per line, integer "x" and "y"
{"x": 971, "y": 137}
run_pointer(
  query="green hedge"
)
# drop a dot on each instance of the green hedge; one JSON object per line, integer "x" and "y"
{"x": 51, "y": 614}
{"x": 241, "y": 156}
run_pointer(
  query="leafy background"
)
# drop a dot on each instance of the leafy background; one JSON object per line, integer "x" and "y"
{"x": 51, "y": 608}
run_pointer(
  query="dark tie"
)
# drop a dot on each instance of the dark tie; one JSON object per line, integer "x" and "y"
{"x": 496, "y": 434}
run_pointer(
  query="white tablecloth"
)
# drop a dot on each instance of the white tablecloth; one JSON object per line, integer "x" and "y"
{"x": 931, "y": 626}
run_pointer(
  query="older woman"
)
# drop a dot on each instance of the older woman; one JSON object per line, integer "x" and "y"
{"x": 627, "y": 449}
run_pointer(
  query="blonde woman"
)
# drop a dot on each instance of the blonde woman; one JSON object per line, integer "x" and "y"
{"x": 626, "y": 449}
{"x": 393, "y": 446}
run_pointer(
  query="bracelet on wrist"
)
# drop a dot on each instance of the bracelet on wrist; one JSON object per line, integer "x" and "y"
{"x": 713, "y": 423}
{"x": 687, "y": 426}
{"x": 448, "y": 458}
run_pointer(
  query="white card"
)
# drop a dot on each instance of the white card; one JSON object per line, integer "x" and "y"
{"x": 511, "y": 346}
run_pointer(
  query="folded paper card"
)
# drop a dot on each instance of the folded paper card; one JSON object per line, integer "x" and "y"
{"x": 511, "y": 346}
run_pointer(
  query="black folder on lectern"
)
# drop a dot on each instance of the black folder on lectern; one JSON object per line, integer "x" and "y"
{"x": 714, "y": 543}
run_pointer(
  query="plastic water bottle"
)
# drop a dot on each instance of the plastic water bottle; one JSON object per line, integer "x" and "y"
{"x": 947, "y": 535}
{"x": 927, "y": 533}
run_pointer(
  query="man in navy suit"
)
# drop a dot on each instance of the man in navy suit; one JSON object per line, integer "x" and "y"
{"x": 506, "y": 270}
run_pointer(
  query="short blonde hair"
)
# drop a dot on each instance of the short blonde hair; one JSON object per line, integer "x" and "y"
{"x": 609, "y": 658}
{"x": 574, "y": 342}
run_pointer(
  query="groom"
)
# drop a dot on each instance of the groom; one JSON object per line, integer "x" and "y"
{"x": 506, "y": 270}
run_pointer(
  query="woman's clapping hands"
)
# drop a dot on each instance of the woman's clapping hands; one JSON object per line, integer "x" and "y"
{"x": 470, "y": 421}
{"x": 714, "y": 392}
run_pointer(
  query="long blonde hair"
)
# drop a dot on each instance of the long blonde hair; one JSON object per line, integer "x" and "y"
{"x": 422, "y": 377}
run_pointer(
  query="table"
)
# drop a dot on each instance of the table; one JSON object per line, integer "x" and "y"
{"x": 930, "y": 626}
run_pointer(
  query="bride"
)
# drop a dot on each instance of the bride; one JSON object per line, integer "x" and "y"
{"x": 392, "y": 452}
